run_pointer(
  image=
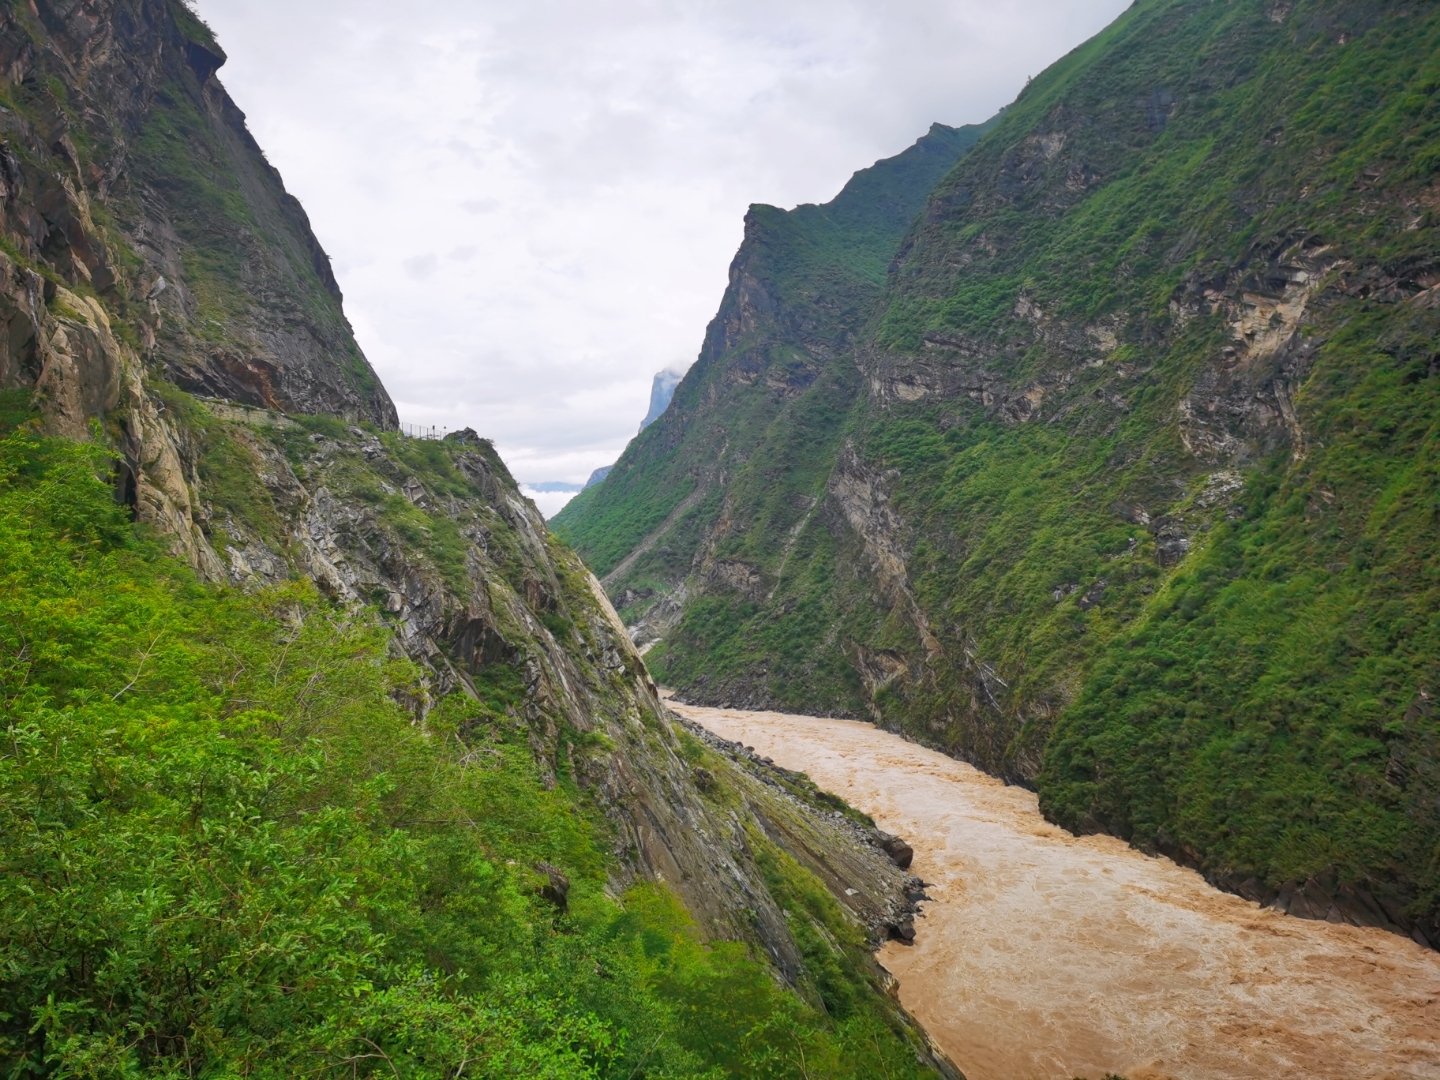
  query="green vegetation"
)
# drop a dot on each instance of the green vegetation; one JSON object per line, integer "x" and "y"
{"x": 373, "y": 810}
{"x": 1166, "y": 556}
{"x": 227, "y": 467}
{"x": 184, "y": 159}
{"x": 824, "y": 265}
{"x": 227, "y": 850}
{"x": 1272, "y": 707}
{"x": 193, "y": 28}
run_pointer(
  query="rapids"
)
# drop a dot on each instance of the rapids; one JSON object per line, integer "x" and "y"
{"x": 1046, "y": 955}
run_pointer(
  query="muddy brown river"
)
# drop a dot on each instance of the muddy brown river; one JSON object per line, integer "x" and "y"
{"x": 1045, "y": 955}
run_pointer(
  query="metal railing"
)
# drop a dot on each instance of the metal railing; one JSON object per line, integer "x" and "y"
{"x": 422, "y": 431}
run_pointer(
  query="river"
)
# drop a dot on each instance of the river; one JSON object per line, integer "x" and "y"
{"x": 1045, "y": 955}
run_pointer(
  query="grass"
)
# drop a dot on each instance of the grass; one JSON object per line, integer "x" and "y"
{"x": 226, "y": 827}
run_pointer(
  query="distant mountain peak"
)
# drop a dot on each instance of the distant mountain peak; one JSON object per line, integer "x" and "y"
{"x": 661, "y": 391}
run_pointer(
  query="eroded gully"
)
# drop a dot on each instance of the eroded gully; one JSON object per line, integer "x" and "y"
{"x": 1045, "y": 955}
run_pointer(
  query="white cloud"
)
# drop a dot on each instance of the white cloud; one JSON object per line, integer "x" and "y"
{"x": 532, "y": 207}
{"x": 548, "y": 502}
{"x": 421, "y": 266}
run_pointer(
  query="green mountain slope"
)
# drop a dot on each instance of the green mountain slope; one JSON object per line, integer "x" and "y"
{"x": 801, "y": 284}
{"x": 230, "y": 846}
{"x": 1128, "y": 487}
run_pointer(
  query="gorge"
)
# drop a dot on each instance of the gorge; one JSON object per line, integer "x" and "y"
{"x": 1079, "y": 465}
{"x": 322, "y": 756}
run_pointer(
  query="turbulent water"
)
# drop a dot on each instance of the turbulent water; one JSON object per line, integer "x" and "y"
{"x": 1047, "y": 955}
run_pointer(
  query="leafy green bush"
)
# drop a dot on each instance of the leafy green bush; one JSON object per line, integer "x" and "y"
{"x": 226, "y": 850}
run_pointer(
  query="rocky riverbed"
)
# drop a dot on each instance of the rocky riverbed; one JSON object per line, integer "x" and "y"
{"x": 1045, "y": 955}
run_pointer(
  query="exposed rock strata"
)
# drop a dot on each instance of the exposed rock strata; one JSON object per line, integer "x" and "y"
{"x": 141, "y": 189}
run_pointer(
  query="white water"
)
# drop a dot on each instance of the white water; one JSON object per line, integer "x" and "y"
{"x": 1046, "y": 955}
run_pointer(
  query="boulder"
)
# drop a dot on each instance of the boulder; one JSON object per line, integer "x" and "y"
{"x": 557, "y": 889}
{"x": 901, "y": 853}
{"x": 902, "y": 930}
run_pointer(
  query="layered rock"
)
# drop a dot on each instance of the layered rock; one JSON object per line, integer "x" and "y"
{"x": 128, "y": 175}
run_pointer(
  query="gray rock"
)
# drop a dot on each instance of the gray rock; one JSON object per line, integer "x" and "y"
{"x": 900, "y": 853}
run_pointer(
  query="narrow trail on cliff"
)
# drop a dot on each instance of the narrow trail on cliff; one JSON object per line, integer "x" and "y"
{"x": 1046, "y": 955}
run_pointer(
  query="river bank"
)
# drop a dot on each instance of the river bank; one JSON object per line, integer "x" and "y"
{"x": 1046, "y": 955}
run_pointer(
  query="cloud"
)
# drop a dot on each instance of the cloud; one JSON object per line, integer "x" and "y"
{"x": 421, "y": 266}
{"x": 587, "y": 168}
{"x": 548, "y": 503}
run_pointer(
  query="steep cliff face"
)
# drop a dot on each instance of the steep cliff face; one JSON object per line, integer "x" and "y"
{"x": 661, "y": 391}
{"x": 764, "y": 397}
{"x": 1131, "y": 498}
{"x": 129, "y": 176}
{"x": 163, "y": 295}
{"x": 142, "y": 233}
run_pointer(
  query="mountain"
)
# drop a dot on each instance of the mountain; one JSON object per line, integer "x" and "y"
{"x": 1115, "y": 474}
{"x": 800, "y": 287}
{"x": 661, "y": 391}
{"x": 555, "y": 486}
{"x": 325, "y": 755}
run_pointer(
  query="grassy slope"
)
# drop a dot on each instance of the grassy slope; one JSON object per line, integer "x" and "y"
{"x": 228, "y": 848}
{"x": 1263, "y": 708}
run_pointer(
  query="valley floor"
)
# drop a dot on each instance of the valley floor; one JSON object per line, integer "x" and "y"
{"x": 1047, "y": 955}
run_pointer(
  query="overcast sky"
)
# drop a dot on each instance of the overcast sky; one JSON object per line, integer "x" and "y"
{"x": 532, "y": 204}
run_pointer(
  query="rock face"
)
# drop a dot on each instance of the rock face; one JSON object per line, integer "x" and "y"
{"x": 476, "y": 590}
{"x": 146, "y": 237}
{"x": 161, "y": 293}
{"x": 1131, "y": 405}
{"x": 800, "y": 287}
{"x": 138, "y": 184}
{"x": 661, "y": 391}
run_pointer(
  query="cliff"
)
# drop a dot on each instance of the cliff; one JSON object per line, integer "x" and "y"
{"x": 661, "y": 391}
{"x": 771, "y": 374}
{"x": 172, "y": 321}
{"x": 1122, "y": 488}
{"x": 129, "y": 175}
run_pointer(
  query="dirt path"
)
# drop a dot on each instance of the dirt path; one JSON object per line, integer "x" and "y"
{"x": 1045, "y": 955}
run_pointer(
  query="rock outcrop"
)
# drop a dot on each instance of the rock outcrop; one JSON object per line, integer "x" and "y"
{"x": 162, "y": 294}
{"x": 127, "y": 176}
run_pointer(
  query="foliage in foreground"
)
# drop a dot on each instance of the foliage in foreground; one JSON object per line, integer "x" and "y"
{"x": 226, "y": 851}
